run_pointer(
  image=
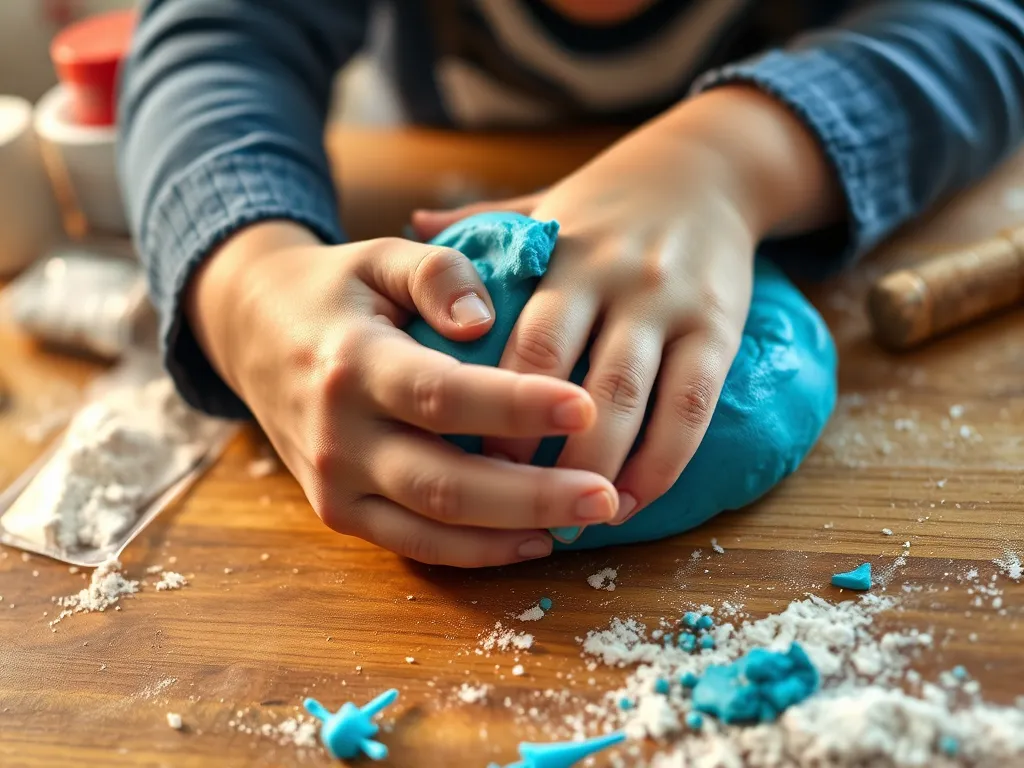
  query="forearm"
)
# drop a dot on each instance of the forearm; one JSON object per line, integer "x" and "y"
{"x": 221, "y": 121}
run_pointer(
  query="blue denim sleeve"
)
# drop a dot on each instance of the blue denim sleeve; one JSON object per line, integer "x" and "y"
{"x": 221, "y": 116}
{"x": 910, "y": 101}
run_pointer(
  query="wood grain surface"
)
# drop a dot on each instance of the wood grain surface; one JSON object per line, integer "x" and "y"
{"x": 278, "y": 607}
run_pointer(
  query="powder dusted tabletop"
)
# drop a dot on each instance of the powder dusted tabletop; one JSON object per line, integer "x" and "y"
{"x": 920, "y": 473}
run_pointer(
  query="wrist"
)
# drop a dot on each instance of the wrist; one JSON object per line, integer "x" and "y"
{"x": 768, "y": 160}
{"x": 221, "y": 299}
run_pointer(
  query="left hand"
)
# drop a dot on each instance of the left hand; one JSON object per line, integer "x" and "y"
{"x": 657, "y": 266}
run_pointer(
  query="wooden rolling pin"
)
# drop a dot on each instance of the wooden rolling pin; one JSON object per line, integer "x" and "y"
{"x": 911, "y": 306}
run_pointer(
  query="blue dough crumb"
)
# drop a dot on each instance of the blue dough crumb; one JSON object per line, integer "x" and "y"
{"x": 859, "y": 578}
{"x": 691, "y": 619}
{"x": 694, "y": 720}
{"x": 688, "y": 641}
{"x": 625, "y": 704}
{"x": 688, "y": 680}
{"x": 563, "y": 754}
{"x": 349, "y": 732}
{"x": 707, "y": 642}
{"x": 758, "y": 687}
{"x": 959, "y": 672}
{"x": 668, "y": 639}
{"x": 705, "y": 622}
{"x": 949, "y": 745}
{"x": 661, "y": 686}
{"x": 545, "y": 604}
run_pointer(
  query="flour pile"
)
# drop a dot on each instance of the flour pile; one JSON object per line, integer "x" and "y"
{"x": 119, "y": 453}
{"x": 107, "y": 586}
{"x": 872, "y": 709}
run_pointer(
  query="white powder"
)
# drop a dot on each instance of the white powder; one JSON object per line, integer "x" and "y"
{"x": 118, "y": 454}
{"x": 472, "y": 694}
{"x": 1010, "y": 564}
{"x": 503, "y": 639}
{"x": 717, "y": 547}
{"x": 532, "y": 614}
{"x": 105, "y": 588}
{"x": 603, "y": 579}
{"x": 170, "y": 580}
{"x": 887, "y": 531}
{"x": 174, "y": 720}
{"x": 264, "y": 467}
{"x": 518, "y": 670}
{"x": 299, "y": 731}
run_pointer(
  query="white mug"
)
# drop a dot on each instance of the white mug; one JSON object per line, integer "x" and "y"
{"x": 29, "y": 216}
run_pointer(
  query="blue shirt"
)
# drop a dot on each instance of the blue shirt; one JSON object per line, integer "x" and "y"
{"x": 223, "y": 104}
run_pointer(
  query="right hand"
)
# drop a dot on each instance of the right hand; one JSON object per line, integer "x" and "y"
{"x": 309, "y": 337}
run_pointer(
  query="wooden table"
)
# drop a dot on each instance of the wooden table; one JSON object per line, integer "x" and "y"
{"x": 327, "y": 615}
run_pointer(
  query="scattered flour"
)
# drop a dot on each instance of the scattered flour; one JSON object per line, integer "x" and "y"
{"x": 119, "y": 452}
{"x": 105, "y": 589}
{"x": 518, "y": 670}
{"x": 299, "y": 731}
{"x": 174, "y": 720}
{"x": 532, "y": 614}
{"x": 473, "y": 694}
{"x": 717, "y": 547}
{"x": 170, "y": 580}
{"x": 503, "y": 639}
{"x": 263, "y": 467}
{"x": 603, "y": 579}
{"x": 1010, "y": 564}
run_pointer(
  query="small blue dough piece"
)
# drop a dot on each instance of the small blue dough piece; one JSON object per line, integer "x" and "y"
{"x": 777, "y": 397}
{"x": 949, "y": 745}
{"x": 349, "y": 732}
{"x": 960, "y": 672}
{"x": 707, "y": 642}
{"x": 705, "y": 622}
{"x": 661, "y": 686}
{"x": 694, "y": 720}
{"x": 858, "y": 579}
{"x": 691, "y": 619}
{"x": 545, "y": 604}
{"x": 758, "y": 687}
{"x": 688, "y": 680}
{"x": 564, "y": 754}
{"x": 625, "y": 704}
{"x": 688, "y": 642}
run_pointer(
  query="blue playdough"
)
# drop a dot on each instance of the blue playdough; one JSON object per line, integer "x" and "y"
{"x": 563, "y": 754}
{"x": 694, "y": 720}
{"x": 691, "y": 619}
{"x": 949, "y": 745}
{"x": 688, "y": 642}
{"x": 778, "y": 395}
{"x": 545, "y": 603}
{"x": 707, "y": 642}
{"x": 705, "y": 622}
{"x": 349, "y": 732}
{"x": 688, "y": 680}
{"x": 859, "y": 578}
{"x": 756, "y": 688}
{"x": 661, "y": 686}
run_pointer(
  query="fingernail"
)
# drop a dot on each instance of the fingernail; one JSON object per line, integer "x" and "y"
{"x": 595, "y": 507}
{"x": 566, "y": 535}
{"x": 570, "y": 414}
{"x": 470, "y": 310}
{"x": 534, "y": 548}
{"x": 627, "y": 503}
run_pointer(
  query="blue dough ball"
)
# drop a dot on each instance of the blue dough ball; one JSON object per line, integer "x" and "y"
{"x": 777, "y": 397}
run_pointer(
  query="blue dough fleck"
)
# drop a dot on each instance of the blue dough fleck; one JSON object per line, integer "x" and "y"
{"x": 960, "y": 672}
{"x": 625, "y": 704}
{"x": 777, "y": 397}
{"x": 545, "y": 604}
{"x": 707, "y": 642}
{"x": 756, "y": 688}
{"x": 694, "y": 720}
{"x": 691, "y": 619}
{"x": 563, "y": 754}
{"x": 688, "y": 680}
{"x": 661, "y": 686}
{"x": 688, "y": 642}
{"x": 705, "y": 622}
{"x": 949, "y": 745}
{"x": 859, "y": 578}
{"x": 349, "y": 732}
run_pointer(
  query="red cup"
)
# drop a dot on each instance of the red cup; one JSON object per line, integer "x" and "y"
{"x": 87, "y": 56}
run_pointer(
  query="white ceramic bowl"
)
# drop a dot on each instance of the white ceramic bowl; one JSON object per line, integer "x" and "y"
{"x": 85, "y": 156}
{"x": 29, "y": 216}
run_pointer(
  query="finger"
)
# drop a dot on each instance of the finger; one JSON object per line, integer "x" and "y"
{"x": 429, "y": 224}
{"x": 623, "y": 367}
{"x": 435, "y": 479}
{"x": 548, "y": 339}
{"x": 440, "y": 284}
{"x": 430, "y": 390}
{"x": 388, "y": 525}
{"x": 692, "y": 377}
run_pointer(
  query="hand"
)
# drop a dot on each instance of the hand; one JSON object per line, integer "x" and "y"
{"x": 309, "y": 337}
{"x": 654, "y": 262}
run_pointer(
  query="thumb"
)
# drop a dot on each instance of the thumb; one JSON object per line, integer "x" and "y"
{"x": 429, "y": 224}
{"x": 440, "y": 284}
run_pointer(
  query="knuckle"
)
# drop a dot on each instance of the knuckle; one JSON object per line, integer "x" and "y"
{"x": 414, "y": 545}
{"x": 694, "y": 403}
{"x": 655, "y": 275}
{"x": 538, "y": 347}
{"x": 439, "y": 497}
{"x": 431, "y": 397}
{"x": 621, "y": 388}
{"x": 435, "y": 262}
{"x": 340, "y": 369}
